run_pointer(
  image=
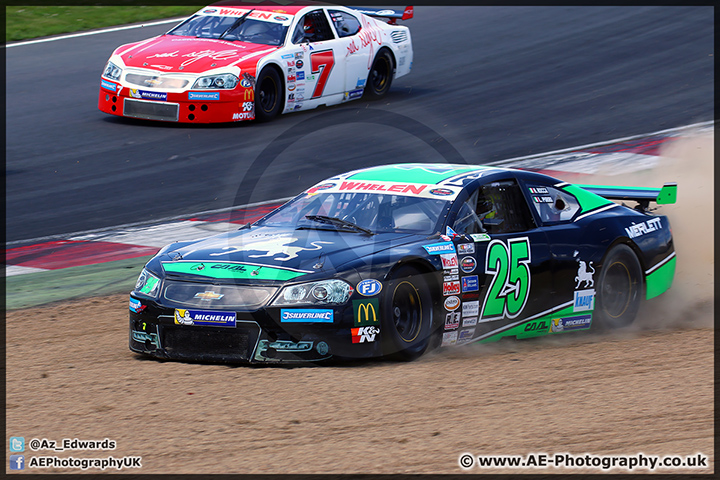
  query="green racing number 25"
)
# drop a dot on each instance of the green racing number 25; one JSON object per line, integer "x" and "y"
{"x": 510, "y": 285}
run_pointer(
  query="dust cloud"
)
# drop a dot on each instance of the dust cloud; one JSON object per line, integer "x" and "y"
{"x": 688, "y": 161}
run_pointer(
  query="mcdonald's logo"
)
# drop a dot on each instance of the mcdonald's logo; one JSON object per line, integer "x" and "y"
{"x": 249, "y": 95}
{"x": 365, "y": 312}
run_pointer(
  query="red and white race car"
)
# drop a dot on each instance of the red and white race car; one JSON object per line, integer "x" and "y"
{"x": 232, "y": 61}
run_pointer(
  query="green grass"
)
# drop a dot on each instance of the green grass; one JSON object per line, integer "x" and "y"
{"x": 25, "y": 22}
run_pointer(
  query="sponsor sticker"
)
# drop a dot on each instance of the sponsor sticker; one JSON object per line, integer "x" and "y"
{"x": 543, "y": 199}
{"x": 450, "y": 278}
{"x": 442, "y": 192}
{"x": 243, "y": 116}
{"x": 470, "y": 284}
{"x": 469, "y": 322}
{"x": 438, "y": 248}
{"x": 354, "y": 94}
{"x": 365, "y": 312}
{"x": 300, "y": 75}
{"x": 451, "y": 288}
{"x": 299, "y": 64}
{"x": 465, "y": 336}
{"x": 136, "y": 306}
{"x": 203, "y": 95}
{"x": 449, "y": 260}
{"x": 449, "y": 231}
{"x": 107, "y": 85}
{"x": 452, "y": 303}
{"x": 449, "y": 338}
{"x": 145, "y": 95}
{"x": 204, "y": 318}
{"x": 360, "y": 83}
{"x": 286, "y": 56}
{"x": 468, "y": 264}
{"x": 471, "y": 309}
{"x": 308, "y": 315}
{"x": 143, "y": 337}
{"x": 539, "y": 190}
{"x": 245, "y": 83}
{"x": 636, "y": 230}
{"x": 584, "y": 300}
{"x": 364, "y": 334}
{"x": 369, "y": 287}
{"x": 452, "y": 320}
{"x": 480, "y": 237}
{"x": 569, "y": 324}
{"x": 419, "y": 190}
{"x": 466, "y": 248}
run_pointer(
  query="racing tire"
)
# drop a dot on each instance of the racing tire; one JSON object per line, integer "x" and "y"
{"x": 268, "y": 100}
{"x": 620, "y": 288}
{"x": 407, "y": 309}
{"x": 380, "y": 76}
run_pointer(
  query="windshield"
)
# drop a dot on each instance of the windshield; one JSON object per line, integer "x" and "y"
{"x": 378, "y": 213}
{"x": 231, "y": 29}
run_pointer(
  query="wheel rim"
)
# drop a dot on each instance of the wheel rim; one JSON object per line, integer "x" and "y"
{"x": 617, "y": 290}
{"x": 268, "y": 94}
{"x": 380, "y": 74}
{"x": 407, "y": 311}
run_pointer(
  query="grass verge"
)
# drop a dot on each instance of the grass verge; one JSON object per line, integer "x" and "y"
{"x": 25, "y": 22}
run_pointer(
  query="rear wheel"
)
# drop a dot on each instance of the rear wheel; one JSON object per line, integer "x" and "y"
{"x": 620, "y": 288}
{"x": 380, "y": 76}
{"x": 268, "y": 100}
{"x": 407, "y": 315}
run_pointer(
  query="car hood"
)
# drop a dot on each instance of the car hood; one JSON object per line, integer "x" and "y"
{"x": 282, "y": 253}
{"x": 171, "y": 53}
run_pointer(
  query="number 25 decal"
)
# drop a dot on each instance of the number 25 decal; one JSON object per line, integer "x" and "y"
{"x": 510, "y": 266}
{"x": 321, "y": 63}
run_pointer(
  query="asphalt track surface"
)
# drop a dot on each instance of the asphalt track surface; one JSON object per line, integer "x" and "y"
{"x": 488, "y": 83}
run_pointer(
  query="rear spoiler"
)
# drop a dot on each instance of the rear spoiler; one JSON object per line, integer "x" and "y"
{"x": 662, "y": 196}
{"x": 392, "y": 15}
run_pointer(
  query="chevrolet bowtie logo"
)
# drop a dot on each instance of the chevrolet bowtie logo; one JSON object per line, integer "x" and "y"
{"x": 153, "y": 82}
{"x": 209, "y": 295}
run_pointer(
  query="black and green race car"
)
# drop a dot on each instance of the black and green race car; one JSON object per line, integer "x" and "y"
{"x": 392, "y": 260}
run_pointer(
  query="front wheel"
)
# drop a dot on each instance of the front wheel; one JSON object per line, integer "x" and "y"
{"x": 407, "y": 315}
{"x": 380, "y": 76}
{"x": 268, "y": 100}
{"x": 620, "y": 288}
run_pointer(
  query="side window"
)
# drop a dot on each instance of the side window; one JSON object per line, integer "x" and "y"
{"x": 502, "y": 208}
{"x": 497, "y": 207}
{"x": 345, "y": 24}
{"x": 312, "y": 27}
{"x": 553, "y": 205}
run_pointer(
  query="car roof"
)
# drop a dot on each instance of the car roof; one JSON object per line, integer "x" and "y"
{"x": 289, "y": 8}
{"x": 427, "y": 173}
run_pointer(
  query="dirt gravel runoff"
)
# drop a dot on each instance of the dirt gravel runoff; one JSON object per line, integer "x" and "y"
{"x": 646, "y": 389}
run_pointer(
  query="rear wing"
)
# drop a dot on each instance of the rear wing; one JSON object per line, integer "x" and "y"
{"x": 662, "y": 196}
{"x": 392, "y": 15}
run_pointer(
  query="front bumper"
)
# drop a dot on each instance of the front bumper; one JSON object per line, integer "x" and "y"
{"x": 212, "y": 106}
{"x": 256, "y": 338}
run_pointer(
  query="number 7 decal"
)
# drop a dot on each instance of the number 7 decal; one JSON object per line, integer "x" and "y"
{"x": 321, "y": 63}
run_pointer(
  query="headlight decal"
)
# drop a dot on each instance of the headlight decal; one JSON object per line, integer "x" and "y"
{"x": 112, "y": 71}
{"x": 226, "y": 81}
{"x": 147, "y": 284}
{"x": 323, "y": 292}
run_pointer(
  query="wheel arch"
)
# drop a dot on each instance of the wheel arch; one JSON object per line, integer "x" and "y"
{"x": 283, "y": 88}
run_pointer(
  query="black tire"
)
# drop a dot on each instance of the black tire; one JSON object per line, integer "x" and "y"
{"x": 380, "y": 76}
{"x": 407, "y": 315}
{"x": 268, "y": 99}
{"x": 620, "y": 288}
